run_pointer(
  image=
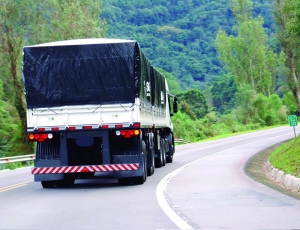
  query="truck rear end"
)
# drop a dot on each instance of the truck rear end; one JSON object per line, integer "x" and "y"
{"x": 88, "y": 110}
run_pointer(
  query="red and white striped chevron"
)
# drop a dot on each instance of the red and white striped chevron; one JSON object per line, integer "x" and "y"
{"x": 85, "y": 168}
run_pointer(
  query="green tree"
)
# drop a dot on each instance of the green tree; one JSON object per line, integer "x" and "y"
{"x": 172, "y": 82}
{"x": 15, "y": 20}
{"x": 223, "y": 91}
{"x": 186, "y": 108}
{"x": 275, "y": 114}
{"x": 244, "y": 97}
{"x": 246, "y": 56}
{"x": 185, "y": 28}
{"x": 290, "y": 102}
{"x": 7, "y": 125}
{"x": 196, "y": 100}
{"x": 287, "y": 16}
{"x": 23, "y": 22}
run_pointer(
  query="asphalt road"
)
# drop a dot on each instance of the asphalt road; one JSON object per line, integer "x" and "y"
{"x": 205, "y": 187}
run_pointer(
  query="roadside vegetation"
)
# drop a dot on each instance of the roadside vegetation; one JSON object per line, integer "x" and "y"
{"x": 287, "y": 157}
{"x": 234, "y": 64}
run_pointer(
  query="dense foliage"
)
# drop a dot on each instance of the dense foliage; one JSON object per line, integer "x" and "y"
{"x": 287, "y": 17}
{"x": 178, "y": 35}
{"x": 23, "y": 23}
{"x": 249, "y": 88}
{"x": 287, "y": 157}
{"x": 222, "y": 58}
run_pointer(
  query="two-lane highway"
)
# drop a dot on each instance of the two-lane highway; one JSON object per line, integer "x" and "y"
{"x": 205, "y": 187}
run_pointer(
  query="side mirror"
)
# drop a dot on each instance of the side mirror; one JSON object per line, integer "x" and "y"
{"x": 175, "y": 105}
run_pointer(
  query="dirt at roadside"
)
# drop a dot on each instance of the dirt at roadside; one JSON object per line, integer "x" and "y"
{"x": 255, "y": 168}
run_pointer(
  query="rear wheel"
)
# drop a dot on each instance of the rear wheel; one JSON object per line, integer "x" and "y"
{"x": 124, "y": 181}
{"x": 138, "y": 179}
{"x": 84, "y": 175}
{"x": 159, "y": 162}
{"x": 143, "y": 178}
{"x": 170, "y": 159}
{"x": 151, "y": 161}
{"x": 170, "y": 153}
{"x": 162, "y": 145}
{"x": 69, "y": 179}
{"x": 48, "y": 184}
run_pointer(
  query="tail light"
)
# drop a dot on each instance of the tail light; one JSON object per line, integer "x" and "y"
{"x": 128, "y": 133}
{"x": 40, "y": 137}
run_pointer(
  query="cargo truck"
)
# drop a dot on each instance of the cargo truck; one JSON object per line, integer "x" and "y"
{"x": 96, "y": 105}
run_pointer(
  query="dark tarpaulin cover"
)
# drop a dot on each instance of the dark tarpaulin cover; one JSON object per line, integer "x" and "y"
{"x": 99, "y": 71}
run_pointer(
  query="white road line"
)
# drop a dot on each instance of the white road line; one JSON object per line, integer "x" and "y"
{"x": 162, "y": 187}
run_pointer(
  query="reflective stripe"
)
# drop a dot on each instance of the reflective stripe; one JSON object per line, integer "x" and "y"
{"x": 86, "y": 168}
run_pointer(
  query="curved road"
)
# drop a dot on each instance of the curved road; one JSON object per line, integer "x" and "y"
{"x": 205, "y": 187}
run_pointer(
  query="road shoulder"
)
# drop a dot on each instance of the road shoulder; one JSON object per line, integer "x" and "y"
{"x": 255, "y": 168}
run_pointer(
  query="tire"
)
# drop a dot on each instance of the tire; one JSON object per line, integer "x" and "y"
{"x": 150, "y": 170}
{"x": 143, "y": 178}
{"x": 170, "y": 154}
{"x": 153, "y": 161}
{"x": 160, "y": 161}
{"x": 124, "y": 181}
{"x": 139, "y": 179}
{"x": 69, "y": 179}
{"x": 170, "y": 159}
{"x": 48, "y": 184}
{"x": 85, "y": 175}
{"x": 162, "y": 145}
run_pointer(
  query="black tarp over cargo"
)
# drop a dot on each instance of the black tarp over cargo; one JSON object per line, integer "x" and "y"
{"x": 89, "y": 71}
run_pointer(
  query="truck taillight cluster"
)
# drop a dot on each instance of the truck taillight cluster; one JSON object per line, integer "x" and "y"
{"x": 40, "y": 137}
{"x": 128, "y": 133}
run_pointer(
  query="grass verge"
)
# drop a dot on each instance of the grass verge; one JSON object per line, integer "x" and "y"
{"x": 287, "y": 157}
{"x": 255, "y": 168}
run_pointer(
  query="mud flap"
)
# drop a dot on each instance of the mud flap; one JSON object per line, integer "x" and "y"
{"x": 121, "y": 159}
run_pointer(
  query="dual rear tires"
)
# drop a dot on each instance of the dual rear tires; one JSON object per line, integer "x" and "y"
{"x": 161, "y": 159}
{"x": 67, "y": 181}
{"x": 170, "y": 153}
{"x": 150, "y": 160}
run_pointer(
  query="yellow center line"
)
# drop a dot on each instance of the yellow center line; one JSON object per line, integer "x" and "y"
{"x": 14, "y": 186}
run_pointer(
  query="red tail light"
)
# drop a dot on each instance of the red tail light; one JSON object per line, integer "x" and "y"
{"x": 136, "y": 125}
{"x": 128, "y": 133}
{"x": 31, "y": 137}
{"x": 40, "y": 137}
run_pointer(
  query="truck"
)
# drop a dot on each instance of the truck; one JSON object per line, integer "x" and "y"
{"x": 93, "y": 106}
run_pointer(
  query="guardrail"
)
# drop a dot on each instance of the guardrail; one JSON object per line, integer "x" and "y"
{"x": 181, "y": 141}
{"x": 23, "y": 158}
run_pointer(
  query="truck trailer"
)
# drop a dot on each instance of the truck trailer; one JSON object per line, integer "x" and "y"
{"x": 96, "y": 105}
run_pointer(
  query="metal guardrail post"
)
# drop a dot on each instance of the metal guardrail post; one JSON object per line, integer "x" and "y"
{"x": 182, "y": 141}
{"x": 24, "y": 158}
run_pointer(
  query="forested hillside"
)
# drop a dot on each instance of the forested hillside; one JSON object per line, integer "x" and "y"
{"x": 186, "y": 40}
{"x": 178, "y": 35}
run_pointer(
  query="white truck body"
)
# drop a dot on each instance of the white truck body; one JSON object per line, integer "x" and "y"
{"x": 96, "y": 105}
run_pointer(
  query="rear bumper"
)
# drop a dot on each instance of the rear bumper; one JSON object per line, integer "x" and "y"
{"x": 122, "y": 167}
